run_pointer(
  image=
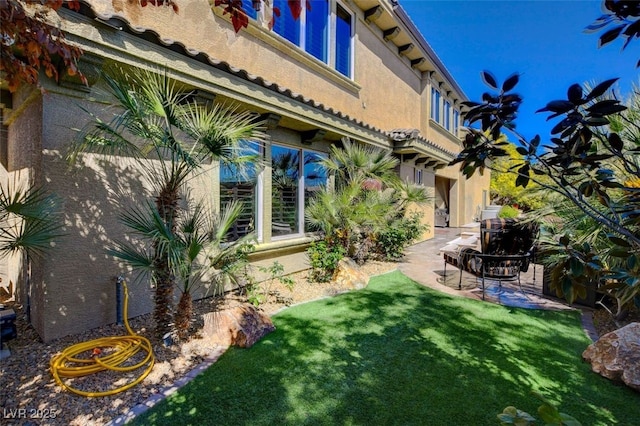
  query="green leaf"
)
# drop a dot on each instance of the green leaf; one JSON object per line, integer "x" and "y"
{"x": 549, "y": 414}
{"x": 523, "y": 176}
{"x": 619, "y": 252}
{"x": 559, "y": 106}
{"x": 606, "y": 107}
{"x": 618, "y": 241}
{"x": 568, "y": 420}
{"x": 576, "y": 267}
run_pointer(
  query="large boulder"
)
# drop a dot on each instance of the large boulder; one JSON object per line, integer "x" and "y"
{"x": 616, "y": 355}
{"x": 239, "y": 326}
{"x": 349, "y": 276}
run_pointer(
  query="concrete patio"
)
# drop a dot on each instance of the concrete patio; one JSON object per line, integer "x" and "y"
{"x": 424, "y": 263}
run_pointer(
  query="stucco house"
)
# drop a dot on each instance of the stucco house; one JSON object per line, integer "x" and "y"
{"x": 346, "y": 68}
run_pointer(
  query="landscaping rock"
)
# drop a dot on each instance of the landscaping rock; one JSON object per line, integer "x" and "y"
{"x": 239, "y": 326}
{"x": 616, "y": 355}
{"x": 349, "y": 275}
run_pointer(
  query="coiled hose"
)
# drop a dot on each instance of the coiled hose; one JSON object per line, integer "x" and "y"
{"x": 67, "y": 365}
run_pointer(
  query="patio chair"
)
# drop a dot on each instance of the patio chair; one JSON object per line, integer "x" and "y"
{"x": 507, "y": 249}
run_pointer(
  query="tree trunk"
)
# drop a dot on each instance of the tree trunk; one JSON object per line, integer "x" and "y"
{"x": 183, "y": 316}
{"x": 167, "y": 204}
{"x": 163, "y": 310}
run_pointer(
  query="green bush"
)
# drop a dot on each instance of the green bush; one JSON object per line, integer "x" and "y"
{"x": 259, "y": 293}
{"x": 324, "y": 258}
{"x": 508, "y": 212}
{"x": 391, "y": 242}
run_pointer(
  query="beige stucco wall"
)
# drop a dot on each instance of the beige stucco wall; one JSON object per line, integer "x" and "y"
{"x": 385, "y": 91}
{"x": 77, "y": 288}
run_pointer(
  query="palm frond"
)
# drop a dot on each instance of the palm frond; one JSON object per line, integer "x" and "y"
{"x": 356, "y": 162}
{"x": 218, "y": 130}
{"x": 30, "y": 220}
{"x": 136, "y": 257}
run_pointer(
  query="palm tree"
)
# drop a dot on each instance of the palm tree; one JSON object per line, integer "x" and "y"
{"x": 196, "y": 250}
{"x": 169, "y": 135}
{"x": 29, "y": 222}
{"x": 368, "y": 196}
{"x": 356, "y": 163}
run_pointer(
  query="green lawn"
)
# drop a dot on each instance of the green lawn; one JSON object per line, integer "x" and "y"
{"x": 399, "y": 353}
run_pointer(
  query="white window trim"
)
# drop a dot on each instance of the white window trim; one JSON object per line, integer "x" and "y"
{"x": 301, "y": 188}
{"x": 260, "y": 198}
{"x": 300, "y": 200}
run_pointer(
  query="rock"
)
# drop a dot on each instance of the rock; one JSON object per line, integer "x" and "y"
{"x": 240, "y": 326}
{"x": 348, "y": 275}
{"x": 616, "y": 355}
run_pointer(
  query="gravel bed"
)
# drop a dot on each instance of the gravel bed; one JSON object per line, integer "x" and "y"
{"x": 29, "y": 394}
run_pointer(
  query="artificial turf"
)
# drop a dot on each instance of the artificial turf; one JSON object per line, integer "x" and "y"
{"x": 399, "y": 353}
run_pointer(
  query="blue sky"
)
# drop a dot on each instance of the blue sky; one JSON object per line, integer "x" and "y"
{"x": 543, "y": 40}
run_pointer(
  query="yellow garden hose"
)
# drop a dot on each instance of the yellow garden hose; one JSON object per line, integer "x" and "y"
{"x": 67, "y": 365}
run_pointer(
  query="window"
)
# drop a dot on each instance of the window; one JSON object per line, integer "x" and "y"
{"x": 447, "y": 115}
{"x": 323, "y": 27}
{"x": 343, "y": 41}
{"x": 435, "y": 104}
{"x": 317, "y": 24}
{"x": 417, "y": 176}
{"x": 456, "y": 121}
{"x": 247, "y": 5}
{"x": 293, "y": 184}
{"x": 285, "y": 25}
{"x": 285, "y": 184}
{"x": 315, "y": 178}
{"x": 242, "y": 186}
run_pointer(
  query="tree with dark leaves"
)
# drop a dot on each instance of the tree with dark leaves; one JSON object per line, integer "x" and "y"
{"x": 586, "y": 161}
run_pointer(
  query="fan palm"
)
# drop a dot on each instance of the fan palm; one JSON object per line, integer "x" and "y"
{"x": 29, "y": 222}
{"x": 169, "y": 136}
{"x": 368, "y": 196}
{"x": 356, "y": 163}
{"x": 196, "y": 250}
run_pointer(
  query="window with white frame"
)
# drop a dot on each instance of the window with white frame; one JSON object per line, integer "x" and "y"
{"x": 344, "y": 41}
{"x": 443, "y": 113}
{"x": 324, "y": 30}
{"x": 456, "y": 121}
{"x": 435, "y": 104}
{"x": 417, "y": 176}
{"x": 296, "y": 176}
{"x": 447, "y": 115}
{"x": 243, "y": 185}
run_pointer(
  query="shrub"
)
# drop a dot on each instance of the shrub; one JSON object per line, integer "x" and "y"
{"x": 391, "y": 242}
{"x": 508, "y": 212}
{"x": 324, "y": 258}
{"x": 259, "y": 293}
